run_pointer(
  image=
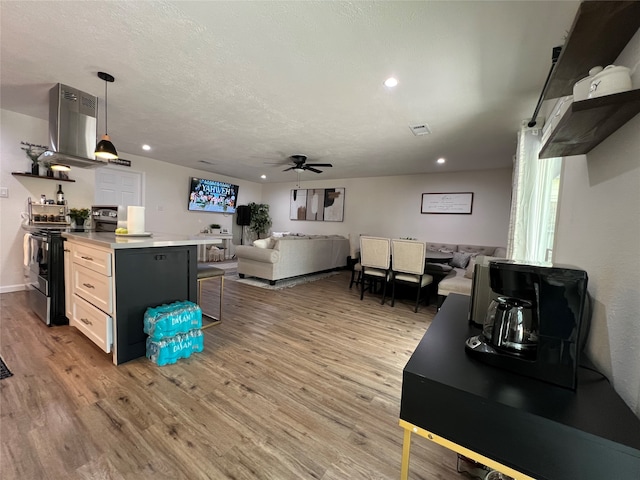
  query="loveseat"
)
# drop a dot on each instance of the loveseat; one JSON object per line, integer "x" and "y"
{"x": 275, "y": 258}
{"x": 456, "y": 275}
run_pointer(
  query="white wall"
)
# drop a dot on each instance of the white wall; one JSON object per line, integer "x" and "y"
{"x": 599, "y": 231}
{"x": 166, "y": 193}
{"x": 390, "y": 206}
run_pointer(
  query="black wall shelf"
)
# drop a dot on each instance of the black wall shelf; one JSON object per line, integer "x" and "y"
{"x": 600, "y": 31}
{"x": 588, "y": 122}
{"x": 30, "y": 175}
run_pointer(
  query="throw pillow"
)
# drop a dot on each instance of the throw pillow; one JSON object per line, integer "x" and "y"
{"x": 470, "y": 267}
{"x": 460, "y": 259}
{"x": 262, "y": 243}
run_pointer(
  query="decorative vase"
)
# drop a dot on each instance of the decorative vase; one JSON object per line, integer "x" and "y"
{"x": 79, "y": 222}
{"x": 35, "y": 169}
{"x": 49, "y": 173}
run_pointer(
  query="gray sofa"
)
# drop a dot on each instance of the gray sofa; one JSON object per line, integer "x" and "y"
{"x": 290, "y": 256}
{"x": 456, "y": 276}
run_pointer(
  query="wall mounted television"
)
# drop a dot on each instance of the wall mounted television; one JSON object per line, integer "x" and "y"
{"x": 212, "y": 196}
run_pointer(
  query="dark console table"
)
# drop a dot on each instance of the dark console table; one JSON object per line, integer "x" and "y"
{"x": 520, "y": 426}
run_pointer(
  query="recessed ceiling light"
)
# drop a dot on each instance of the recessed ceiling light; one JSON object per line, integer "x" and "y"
{"x": 146, "y": 147}
{"x": 263, "y": 176}
{"x": 441, "y": 160}
{"x": 390, "y": 82}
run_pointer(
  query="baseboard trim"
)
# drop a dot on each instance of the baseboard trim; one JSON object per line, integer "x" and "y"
{"x": 13, "y": 288}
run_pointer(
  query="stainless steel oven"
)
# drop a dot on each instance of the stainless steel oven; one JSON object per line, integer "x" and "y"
{"x": 46, "y": 276}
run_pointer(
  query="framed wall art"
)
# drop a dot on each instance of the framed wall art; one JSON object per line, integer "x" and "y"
{"x": 448, "y": 203}
{"x": 317, "y": 204}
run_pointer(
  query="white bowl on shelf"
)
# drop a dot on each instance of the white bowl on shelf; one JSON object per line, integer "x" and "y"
{"x": 613, "y": 79}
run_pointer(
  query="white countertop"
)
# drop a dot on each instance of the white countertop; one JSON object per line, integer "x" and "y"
{"x": 113, "y": 241}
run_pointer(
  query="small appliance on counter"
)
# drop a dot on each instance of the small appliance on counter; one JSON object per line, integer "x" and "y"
{"x": 538, "y": 322}
{"x": 105, "y": 217}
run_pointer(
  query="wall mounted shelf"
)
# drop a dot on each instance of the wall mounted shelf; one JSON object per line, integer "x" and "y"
{"x": 600, "y": 31}
{"x": 588, "y": 122}
{"x": 30, "y": 175}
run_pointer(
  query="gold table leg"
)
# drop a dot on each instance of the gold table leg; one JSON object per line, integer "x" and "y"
{"x": 406, "y": 448}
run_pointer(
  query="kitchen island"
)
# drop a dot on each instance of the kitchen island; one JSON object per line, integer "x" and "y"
{"x": 111, "y": 280}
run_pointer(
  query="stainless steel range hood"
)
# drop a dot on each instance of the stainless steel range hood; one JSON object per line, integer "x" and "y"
{"x": 72, "y": 128}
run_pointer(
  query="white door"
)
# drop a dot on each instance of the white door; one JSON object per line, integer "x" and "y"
{"x": 118, "y": 187}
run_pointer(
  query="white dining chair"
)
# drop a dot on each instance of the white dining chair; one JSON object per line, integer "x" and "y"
{"x": 407, "y": 266}
{"x": 375, "y": 258}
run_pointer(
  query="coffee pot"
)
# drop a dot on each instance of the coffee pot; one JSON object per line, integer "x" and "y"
{"x": 537, "y": 323}
{"x": 510, "y": 326}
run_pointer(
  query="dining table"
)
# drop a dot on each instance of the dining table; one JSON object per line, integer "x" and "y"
{"x": 434, "y": 256}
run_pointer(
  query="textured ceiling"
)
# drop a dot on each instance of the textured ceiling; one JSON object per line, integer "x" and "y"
{"x": 245, "y": 84}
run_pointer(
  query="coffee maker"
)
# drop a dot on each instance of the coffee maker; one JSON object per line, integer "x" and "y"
{"x": 538, "y": 323}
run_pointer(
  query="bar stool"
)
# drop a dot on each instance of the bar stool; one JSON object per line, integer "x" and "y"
{"x": 205, "y": 272}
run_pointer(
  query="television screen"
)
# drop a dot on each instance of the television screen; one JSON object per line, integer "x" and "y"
{"x": 212, "y": 196}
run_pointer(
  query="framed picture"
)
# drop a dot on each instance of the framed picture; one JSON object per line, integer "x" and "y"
{"x": 317, "y": 204}
{"x": 447, "y": 203}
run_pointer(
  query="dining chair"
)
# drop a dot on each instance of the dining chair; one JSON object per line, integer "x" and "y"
{"x": 375, "y": 258}
{"x": 407, "y": 266}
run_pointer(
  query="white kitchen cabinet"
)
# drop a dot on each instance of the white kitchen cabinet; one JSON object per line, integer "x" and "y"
{"x": 91, "y": 286}
{"x": 94, "y": 323}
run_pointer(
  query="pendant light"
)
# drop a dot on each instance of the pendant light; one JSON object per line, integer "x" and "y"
{"x": 59, "y": 167}
{"x": 105, "y": 149}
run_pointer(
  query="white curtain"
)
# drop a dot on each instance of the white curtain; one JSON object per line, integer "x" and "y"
{"x": 533, "y": 201}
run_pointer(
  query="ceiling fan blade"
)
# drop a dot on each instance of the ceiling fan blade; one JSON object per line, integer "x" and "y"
{"x": 318, "y": 165}
{"x": 287, "y": 169}
{"x": 312, "y": 169}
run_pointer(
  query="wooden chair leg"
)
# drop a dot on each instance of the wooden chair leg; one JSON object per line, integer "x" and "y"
{"x": 393, "y": 293}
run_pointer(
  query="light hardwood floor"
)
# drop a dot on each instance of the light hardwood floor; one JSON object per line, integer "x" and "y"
{"x": 299, "y": 383}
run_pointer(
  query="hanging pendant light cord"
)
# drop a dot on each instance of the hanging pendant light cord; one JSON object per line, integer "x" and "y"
{"x": 106, "y": 110}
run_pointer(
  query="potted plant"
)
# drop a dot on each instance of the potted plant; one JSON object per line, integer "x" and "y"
{"x": 33, "y": 151}
{"x": 260, "y": 220}
{"x": 215, "y": 228}
{"x": 79, "y": 215}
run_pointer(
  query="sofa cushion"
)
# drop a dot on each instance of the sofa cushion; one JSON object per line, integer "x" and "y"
{"x": 477, "y": 249}
{"x": 455, "y": 282}
{"x": 449, "y": 247}
{"x": 468, "y": 273}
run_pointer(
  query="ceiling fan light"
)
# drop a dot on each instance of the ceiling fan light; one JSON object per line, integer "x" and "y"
{"x": 298, "y": 170}
{"x": 105, "y": 149}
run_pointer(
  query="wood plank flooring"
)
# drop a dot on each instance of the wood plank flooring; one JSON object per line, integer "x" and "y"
{"x": 300, "y": 383}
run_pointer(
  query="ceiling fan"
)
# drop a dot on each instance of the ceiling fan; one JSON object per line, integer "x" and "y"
{"x": 300, "y": 165}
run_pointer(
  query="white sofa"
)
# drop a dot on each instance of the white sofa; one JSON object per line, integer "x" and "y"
{"x": 455, "y": 278}
{"x": 290, "y": 256}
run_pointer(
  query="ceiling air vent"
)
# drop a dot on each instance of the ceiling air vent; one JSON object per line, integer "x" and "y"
{"x": 420, "y": 129}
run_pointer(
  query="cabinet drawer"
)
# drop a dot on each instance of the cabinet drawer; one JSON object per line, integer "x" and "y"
{"x": 93, "y": 323}
{"x": 93, "y": 287}
{"x": 93, "y": 258}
